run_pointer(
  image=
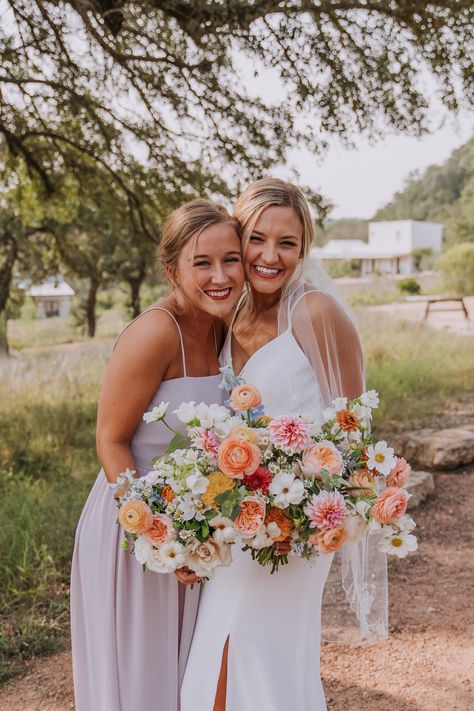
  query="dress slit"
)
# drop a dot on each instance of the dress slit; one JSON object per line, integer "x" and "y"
{"x": 220, "y": 700}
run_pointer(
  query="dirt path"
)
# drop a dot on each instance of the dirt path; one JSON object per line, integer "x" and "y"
{"x": 428, "y": 663}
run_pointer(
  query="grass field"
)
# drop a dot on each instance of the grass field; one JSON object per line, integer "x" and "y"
{"x": 47, "y": 455}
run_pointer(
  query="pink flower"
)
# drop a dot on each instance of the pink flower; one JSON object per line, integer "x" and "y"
{"x": 238, "y": 457}
{"x": 161, "y": 530}
{"x": 399, "y": 474}
{"x": 326, "y": 510}
{"x": 390, "y": 505}
{"x": 289, "y": 433}
{"x": 260, "y": 479}
{"x": 206, "y": 440}
{"x": 323, "y": 455}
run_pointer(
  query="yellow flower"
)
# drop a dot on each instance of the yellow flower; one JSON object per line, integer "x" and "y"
{"x": 245, "y": 433}
{"x": 218, "y": 483}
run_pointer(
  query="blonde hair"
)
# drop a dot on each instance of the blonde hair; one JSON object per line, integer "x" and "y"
{"x": 273, "y": 191}
{"x": 184, "y": 225}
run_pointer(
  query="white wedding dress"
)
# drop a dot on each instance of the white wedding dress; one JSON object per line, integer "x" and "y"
{"x": 273, "y": 622}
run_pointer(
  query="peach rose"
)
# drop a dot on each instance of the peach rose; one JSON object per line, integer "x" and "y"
{"x": 323, "y": 455}
{"x": 279, "y": 517}
{"x": 329, "y": 541}
{"x": 244, "y": 397}
{"x": 251, "y": 516}
{"x": 203, "y": 558}
{"x": 390, "y": 505}
{"x": 136, "y": 517}
{"x": 399, "y": 474}
{"x": 237, "y": 457}
{"x": 364, "y": 481}
{"x": 161, "y": 530}
{"x": 245, "y": 433}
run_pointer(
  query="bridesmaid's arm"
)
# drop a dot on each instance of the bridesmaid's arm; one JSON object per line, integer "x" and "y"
{"x": 148, "y": 350}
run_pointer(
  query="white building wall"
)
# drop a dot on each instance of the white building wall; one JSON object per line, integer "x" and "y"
{"x": 427, "y": 234}
{"x": 393, "y": 236}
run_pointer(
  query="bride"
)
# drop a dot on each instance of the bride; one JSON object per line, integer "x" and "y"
{"x": 256, "y": 643}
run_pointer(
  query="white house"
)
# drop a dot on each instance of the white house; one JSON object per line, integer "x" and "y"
{"x": 52, "y": 298}
{"x": 390, "y": 247}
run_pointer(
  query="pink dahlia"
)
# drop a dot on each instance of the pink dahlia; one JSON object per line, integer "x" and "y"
{"x": 289, "y": 433}
{"x": 260, "y": 479}
{"x": 326, "y": 510}
{"x": 206, "y": 440}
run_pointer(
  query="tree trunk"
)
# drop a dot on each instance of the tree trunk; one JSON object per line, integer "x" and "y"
{"x": 135, "y": 284}
{"x": 90, "y": 307}
{"x": 6, "y": 271}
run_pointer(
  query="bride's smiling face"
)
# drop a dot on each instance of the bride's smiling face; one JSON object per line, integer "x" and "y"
{"x": 273, "y": 249}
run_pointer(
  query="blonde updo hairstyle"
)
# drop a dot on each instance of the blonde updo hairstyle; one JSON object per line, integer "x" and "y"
{"x": 184, "y": 225}
{"x": 268, "y": 192}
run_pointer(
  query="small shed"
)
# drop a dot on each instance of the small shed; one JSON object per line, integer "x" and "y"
{"x": 52, "y": 298}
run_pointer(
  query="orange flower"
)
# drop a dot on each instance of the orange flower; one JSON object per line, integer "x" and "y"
{"x": 245, "y": 433}
{"x": 364, "y": 481}
{"x": 390, "y": 505}
{"x": 136, "y": 517}
{"x": 237, "y": 457}
{"x": 168, "y": 493}
{"x": 329, "y": 541}
{"x": 244, "y": 397}
{"x": 161, "y": 530}
{"x": 251, "y": 516}
{"x": 347, "y": 420}
{"x": 279, "y": 517}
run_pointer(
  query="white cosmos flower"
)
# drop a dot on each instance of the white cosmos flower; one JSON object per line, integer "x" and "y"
{"x": 172, "y": 556}
{"x": 399, "y": 544}
{"x": 197, "y": 484}
{"x": 224, "y": 531}
{"x": 286, "y": 489}
{"x": 370, "y": 399}
{"x": 157, "y": 413}
{"x": 381, "y": 457}
{"x": 186, "y": 412}
{"x": 143, "y": 549}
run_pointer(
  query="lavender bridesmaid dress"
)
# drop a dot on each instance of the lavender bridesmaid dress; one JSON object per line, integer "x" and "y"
{"x": 131, "y": 630}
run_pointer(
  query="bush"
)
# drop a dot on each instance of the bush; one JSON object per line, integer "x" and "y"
{"x": 409, "y": 285}
{"x": 457, "y": 268}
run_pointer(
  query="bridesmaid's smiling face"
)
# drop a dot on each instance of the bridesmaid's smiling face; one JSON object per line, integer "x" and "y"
{"x": 273, "y": 249}
{"x": 210, "y": 272}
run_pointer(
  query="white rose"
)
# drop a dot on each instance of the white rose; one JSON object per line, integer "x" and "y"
{"x": 203, "y": 558}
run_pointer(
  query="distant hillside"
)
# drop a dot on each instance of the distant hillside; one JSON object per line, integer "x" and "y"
{"x": 346, "y": 228}
{"x": 441, "y": 194}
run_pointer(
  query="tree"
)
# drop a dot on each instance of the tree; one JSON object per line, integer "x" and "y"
{"x": 460, "y": 228}
{"x": 101, "y": 78}
{"x": 457, "y": 268}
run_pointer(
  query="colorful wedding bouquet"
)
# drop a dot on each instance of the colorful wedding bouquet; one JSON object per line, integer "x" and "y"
{"x": 313, "y": 482}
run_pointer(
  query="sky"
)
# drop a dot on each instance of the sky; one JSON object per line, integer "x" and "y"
{"x": 359, "y": 181}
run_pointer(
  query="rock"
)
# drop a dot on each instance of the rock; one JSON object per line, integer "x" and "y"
{"x": 436, "y": 449}
{"x": 420, "y": 485}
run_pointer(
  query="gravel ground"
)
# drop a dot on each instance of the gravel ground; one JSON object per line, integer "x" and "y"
{"x": 428, "y": 662}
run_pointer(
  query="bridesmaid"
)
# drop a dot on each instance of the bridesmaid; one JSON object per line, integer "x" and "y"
{"x": 131, "y": 630}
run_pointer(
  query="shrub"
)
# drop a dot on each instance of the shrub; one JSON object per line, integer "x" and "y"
{"x": 409, "y": 285}
{"x": 457, "y": 268}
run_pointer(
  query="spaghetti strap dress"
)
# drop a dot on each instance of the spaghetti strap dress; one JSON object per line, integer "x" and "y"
{"x": 131, "y": 629}
{"x": 272, "y": 622}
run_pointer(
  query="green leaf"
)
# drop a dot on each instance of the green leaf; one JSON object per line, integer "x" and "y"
{"x": 179, "y": 441}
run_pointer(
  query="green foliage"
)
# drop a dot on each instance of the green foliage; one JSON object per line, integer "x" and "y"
{"x": 346, "y": 228}
{"x": 457, "y": 268}
{"x": 339, "y": 268}
{"x": 422, "y": 258}
{"x": 409, "y": 285}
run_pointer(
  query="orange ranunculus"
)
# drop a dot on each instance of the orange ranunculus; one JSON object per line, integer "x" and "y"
{"x": 245, "y": 433}
{"x": 161, "y": 530}
{"x": 168, "y": 493}
{"x": 279, "y": 517}
{"x": 251, "y": 516}
{"x": 244, "y": 397}
{"x": 390, "y": 505}
{"x": 237, "y": 457}
{"x": 319, "y": 456}
{"x": 347, "y": 420}
{"x": 329, "y": 541}
{"x": 136, "y": 517}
